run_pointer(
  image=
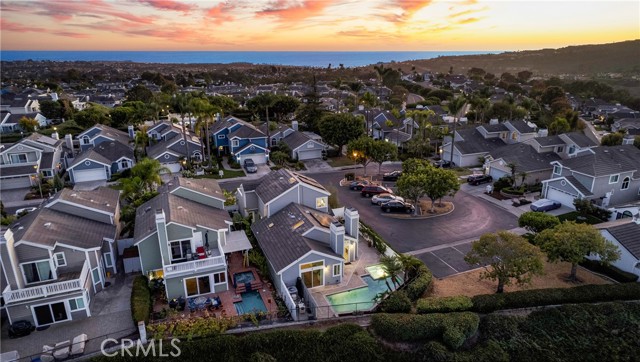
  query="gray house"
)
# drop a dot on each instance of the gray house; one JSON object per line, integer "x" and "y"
{"x": 303, "y": 147}
{"x": 537, "y": 166}
{"x": 625, "y": 234}
{"x": 278, "y": 189}
{"x": 99, "y": 163}
{"x": 22, "y": 162}
{"x": 608, "y": 176}
{"x": 55, "y": 259}
{"x": 183, "y": 235}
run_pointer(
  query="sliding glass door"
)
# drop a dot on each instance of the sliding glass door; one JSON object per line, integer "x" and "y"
{"x": 312, "y": 274}
{"x": 50, "y": 313}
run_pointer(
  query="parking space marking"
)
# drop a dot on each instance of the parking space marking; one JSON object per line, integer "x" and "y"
{"x": 456, "y": 249}
{"x": 445, "y": 263}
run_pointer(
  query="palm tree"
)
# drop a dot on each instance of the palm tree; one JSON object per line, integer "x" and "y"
{"x": 148, "y": 171}
{"x": 410, "y": 264}
{"x": 370, "y": 101}
{"x": 455, "y": 106}
{"x": 141, "y": 141}
{"x": 181, "y": 105}
{"x": 392, "y": 267}
{"x": 356, "y": 87}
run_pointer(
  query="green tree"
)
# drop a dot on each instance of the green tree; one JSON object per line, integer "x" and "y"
{"x": 382, "y": 151}
{"x": 552, "y": 94}
{"x": 121, "y": 116}
{"x": 536, "y": 222}
{"x": 572, "y": 242}
{"x": 559, "y": 126}
{"x": 636, "y": 142}
{"x": 439, "y": 183}
{"x": 28, "y": 124}
{"x": 279, "y": 157}
{"x": 283, "y": 106}
{"x": 340, "y": 128}
{"x": 361, "y": 150}
{"x": 180, "y": 103}
{"x": 506, "y": 257}
{"x": 148, "y": 171}
{"x": 139, "y": 93}
{"x": 392, "y": 267}
{"x": 455, "y": 106}
{"x": 412, "y": 187}
{"x": 420, "y": 144}
{"x": 92, "y": 115}
{"x": 58, "y": 184}
{"x": 612, "y": 139}
{"x": 51, "y": 109}
{"x": 415, "y": 165}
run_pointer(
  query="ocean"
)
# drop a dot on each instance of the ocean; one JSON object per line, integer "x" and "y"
{"x": 295, "y": 58}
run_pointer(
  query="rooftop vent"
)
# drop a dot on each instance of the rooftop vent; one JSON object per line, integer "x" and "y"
{"x": 270, "y": 225}
{"x": 148, "y": 208}
{"x": 180, "y": 208}
{"x": 47, "y": 225}
{"x": 74, "y": 195}
{"x": 20, "y": 227}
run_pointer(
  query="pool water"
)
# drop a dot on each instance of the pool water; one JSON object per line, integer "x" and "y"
{"x": 251, "y": 303}
{"x": 360, "y": 299}
{"x": 376, "y": 271}
{"x": 244, "y": 277}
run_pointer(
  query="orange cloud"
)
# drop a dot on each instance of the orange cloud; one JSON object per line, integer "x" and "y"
{"x": 468, "y": 21}
{"x": 294, "y": 10}
{"x": 16, "y": 27}
{"x": 411, "y": 6}
{"x": 65, "y": 9}
{"x": 169, "y": 5}
{"x": 220, "y": 13}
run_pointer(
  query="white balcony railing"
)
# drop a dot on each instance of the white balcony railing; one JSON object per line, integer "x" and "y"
{"x": 194, "y": 265}
{"x": 49, "y": 289}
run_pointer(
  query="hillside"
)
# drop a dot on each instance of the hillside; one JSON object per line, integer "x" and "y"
{"x": 578, "y": 61}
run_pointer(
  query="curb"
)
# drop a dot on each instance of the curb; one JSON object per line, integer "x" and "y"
{"x": 423, "y": 217}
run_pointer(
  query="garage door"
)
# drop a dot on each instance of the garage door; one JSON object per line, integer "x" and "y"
{"x": 497, "y": 174}
{"x": 89, "y": 175}
{"x": 563, "y": 197}
{"x": 173, "y": 167}
{"x": 258, "y": 158}
{"x": 309, "y": 155}
{"x": 15, "y": 183}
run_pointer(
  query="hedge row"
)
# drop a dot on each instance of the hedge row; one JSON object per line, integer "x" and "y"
{"x": 140, "y": 300}
{"x": 452, "y": 329}
{"x": 420, "y": 284}
{"x": 445, "y": 304}
{"x": 377, "y": 240}
{"x": 610, "y": 271}
{"x": 396, "y": 302}
{"x": 487, "y": 303}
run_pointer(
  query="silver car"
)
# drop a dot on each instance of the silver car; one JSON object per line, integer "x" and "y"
{"x": 382, "y": 198}
{"x": 543, "y": 205}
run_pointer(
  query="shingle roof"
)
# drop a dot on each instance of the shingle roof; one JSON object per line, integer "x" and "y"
{"x": 89, "y": 154}
{"x": 296, "y": 139}
{"x": 246, "y": 131}
{"x": 179, "y": 210}
{"x": 550, "y": 141}
{"x": 492, "y": 128}
{"x": 206, "y": 186}
{"x": 525, "y": 157}
{"x": 474, "y": 142}
{"x": 605, "y": 161}
{"x": 113, "y": 151}
{"x": 102, "y": 198}
{"x": 522, "y": 126}
{"x": 282, "y": 242}
{"x": 580, "y": 139}
{"x": 579, "y": 186}
{"x": 17, "y": 171}
{"x": 629, "y": 236}
{"x": 113, "y": 133}
{"x": 47, "y": 160}
{"x": 275, "y": 183}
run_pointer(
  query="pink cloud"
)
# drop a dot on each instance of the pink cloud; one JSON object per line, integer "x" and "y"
{"x": 16, "y": 27}
{"x": 220, "y": 13}
{"x": 294, "y": 10}
{"x": 63, "y": 10}
{"x": 411, "y": 6}
{"x": 169, "y": 5}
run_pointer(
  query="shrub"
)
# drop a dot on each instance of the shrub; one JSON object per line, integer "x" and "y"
{"x": 453, "y": 328}
{"x": 420, "y": 284}
{"x": 140, "y": 300}
{"x": 610, "y": 271}
{"x": 349, "y": 176}
{"x": 487, "y": 303}
{"x": 513, "y": 191}
{"x": 377, "y": 241}
{"x": 502, "y": 182}
{"x": 444, "y": 304}
{"x": 535, "y": 222}
{"x": 396, "y": 302}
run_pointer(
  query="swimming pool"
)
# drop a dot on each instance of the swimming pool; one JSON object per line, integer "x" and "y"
{"x": 376, "y": 271}
{"x": 244, "y": 277}
{"x": 360, "y": 299}
{"x": 251, "y": 303}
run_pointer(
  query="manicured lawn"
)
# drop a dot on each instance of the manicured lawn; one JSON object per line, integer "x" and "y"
{"x": 572, "y": 216}
{"x": 227, "y": 174}
{"x": 341, "y": 161}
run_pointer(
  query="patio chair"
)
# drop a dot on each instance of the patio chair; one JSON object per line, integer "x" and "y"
{"x": 62, "y": 350}
{"x": 192, "y": 305}
{"x": 218, "y": 302}
{"x": 47, "y": 354}
{"x": 78, "y": 344}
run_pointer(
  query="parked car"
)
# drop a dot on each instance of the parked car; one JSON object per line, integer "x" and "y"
{"x": 21, "y": 328}
{"x": 545, "y": 205}
{"x": 391, "y": 176}
{"x": 371, "y": 190}
{"x": 479, "y": 179}
{"x": 398, "y": 206}
{"x": 358, "y": 185}
{"x": 443, "y": 164}
{"x": 25, "y": 210}
{"x": 250, "y": 166}
{"x": 382, "y": 198}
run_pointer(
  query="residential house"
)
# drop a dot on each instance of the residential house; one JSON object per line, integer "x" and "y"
{"x": 565, "y": 145}
{"x": 520, "y": 131}
{"x": 624, "y": 234}
{"x": 240, "y": 140}
{"x": 302, "y": 146}
{"x": 10, "y": 122}
{"x": 101, "y": 162}
{"x": 183, "y": 236}
{"x": 101, "y": 133}
{"x": 56, "y": 258}
{"x": 22, "y": 162}
{"x": 170, "y": 147}
{"x": 277, "y": 189}
{"x": 535, "y": 166}
{"x": 473, "y": 144}
{"x": 608, "y": 176}
{"x": 625, "y": 124}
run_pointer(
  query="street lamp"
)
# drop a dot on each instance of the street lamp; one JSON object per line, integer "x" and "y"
{"x": 36, "y": 179}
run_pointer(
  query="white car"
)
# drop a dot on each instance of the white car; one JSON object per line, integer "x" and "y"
{"x": 385, "y": 197}
{"x": 25, "y": 210}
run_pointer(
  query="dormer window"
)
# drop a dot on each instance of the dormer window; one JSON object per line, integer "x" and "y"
{"x": 557, "y": 169}
{"x": 572, "y": 149}
{"x": 560, "y": 149}
{"x": 85, "y": 140}
{"x": 514, "y": 136}
{"x": 235, "y": 143}
{"x": 625, "y": 183}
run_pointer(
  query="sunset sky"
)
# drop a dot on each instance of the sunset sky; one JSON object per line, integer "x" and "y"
{"x": 350, "y": 25}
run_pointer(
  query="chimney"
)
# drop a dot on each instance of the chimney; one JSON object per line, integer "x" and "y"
{"x": 493, "y": 121}
{"x": 55, "y": 136}
{"x": 336, "y": 237}
{"x": 132, "y": 131}
{"x": 68, "y": 139}
{"x": 294, "y": 125}
{"x": 351, "y": 222}
{"x": 54, "y": 97}
{"x": 161, "y": 226}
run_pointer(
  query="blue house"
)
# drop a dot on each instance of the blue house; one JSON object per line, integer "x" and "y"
{"x": 101, "y": 162}
{"x": 240, "y": 139}
{"x": 101, "y": 133}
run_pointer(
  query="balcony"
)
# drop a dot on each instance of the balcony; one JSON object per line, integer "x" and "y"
{"x": 49, "y": 289}
{"x": 194, "y": 265}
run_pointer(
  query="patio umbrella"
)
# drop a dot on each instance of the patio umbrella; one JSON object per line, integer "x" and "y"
{"x": 206, "y": 240}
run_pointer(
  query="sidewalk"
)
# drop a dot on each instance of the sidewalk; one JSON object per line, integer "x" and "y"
{"x": 479, "y": 191}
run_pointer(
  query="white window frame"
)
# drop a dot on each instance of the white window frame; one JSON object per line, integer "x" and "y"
{"x": 310, "y": 145}
{"x": 51, "y": 266}
{"x": 339, "y": 270}
{"x": 182, "y": 253}
{"x": 324, "y": 200}
{"x": 617, "y": 178}
{"x": 235, "y": 143}
{"x": 55, "y": 259}
{"x": 221, "y": 136}
{"x": 626, "y": 180}
{"x": 224, "y": 275}
{"x": 300, "y": 271}
{"x": 26, "y": 158}
{"x": 124, "y": 164}
{"x": 559, "y": 170}
{"x": 572, "y": 150}
{"x": 108, "y": 259}
{"x": 81, "y": 299}
{"x": 560, "y": 149}
{"x": 85, "y": 140}
{"x": 274, "y": 141}
{"x": 99, "y": 279}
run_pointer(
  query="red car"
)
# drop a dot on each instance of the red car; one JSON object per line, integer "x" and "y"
{"x": 371, "y": 190}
